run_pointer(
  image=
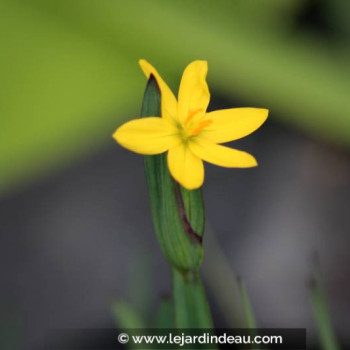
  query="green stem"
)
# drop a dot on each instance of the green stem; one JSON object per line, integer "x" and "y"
{"x": 191, "y": 304}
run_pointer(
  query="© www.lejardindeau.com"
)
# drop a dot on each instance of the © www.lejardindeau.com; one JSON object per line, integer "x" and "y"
{"x": 188, "y": 132}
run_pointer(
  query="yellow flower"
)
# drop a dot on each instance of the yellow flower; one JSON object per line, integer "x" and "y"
{"x": 188, "y": 132}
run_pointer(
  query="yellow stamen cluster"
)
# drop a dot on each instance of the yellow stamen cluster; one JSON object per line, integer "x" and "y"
{"x": 193, "y": 127}
{"x": 201, "y": 126}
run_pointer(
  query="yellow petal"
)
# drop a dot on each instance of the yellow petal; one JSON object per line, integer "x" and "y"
{"x": 168, "y": 100}
{"x": 185, "y": 167}
{"x": 232, "y": 124}
{"x": 193, "y": 92}
{"x": 221, "y": 155}
{"x": 151, "y": 135}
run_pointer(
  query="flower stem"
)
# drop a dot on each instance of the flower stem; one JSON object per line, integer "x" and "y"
{"x": 190, "y": 301}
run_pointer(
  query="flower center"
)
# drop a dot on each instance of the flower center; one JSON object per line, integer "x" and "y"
{"x": 194, "y": 126}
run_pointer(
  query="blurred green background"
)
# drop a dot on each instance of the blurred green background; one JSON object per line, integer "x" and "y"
{"x": 75, "y": 227}
{"x": 69, "y": 69}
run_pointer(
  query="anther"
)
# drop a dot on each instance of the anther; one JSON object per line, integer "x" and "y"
{"x": 192, "y": 113}
{"x": 201, "y": 126}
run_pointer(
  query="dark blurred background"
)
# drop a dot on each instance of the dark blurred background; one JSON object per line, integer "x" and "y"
{"x": 75, "y": 226}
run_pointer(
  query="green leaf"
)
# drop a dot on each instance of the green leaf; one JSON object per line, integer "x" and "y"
{"x": 327, "y": 337}
{"x": 69, "y": 76}
{"x": 247, "y": 306}
{"x": 221, "y": 281}
{"x": 126, "y": 316}
{"x": 61, "y": 93}
{"x": 165, "y": 315}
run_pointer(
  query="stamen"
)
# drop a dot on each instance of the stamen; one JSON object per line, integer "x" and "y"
{"x": 201, "y": 126}
{"x": 192, "y": 114}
